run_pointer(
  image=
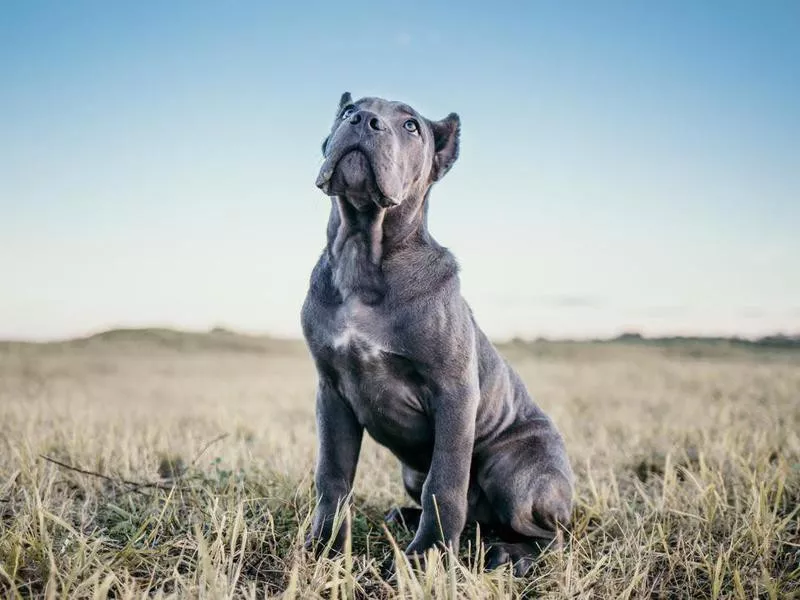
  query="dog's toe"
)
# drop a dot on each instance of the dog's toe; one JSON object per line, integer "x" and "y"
{"x": 521, "y": 557}
{"x": 496, "y": 556}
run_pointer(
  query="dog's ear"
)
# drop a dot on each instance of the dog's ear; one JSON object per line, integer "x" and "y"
{"x": 445, "y": 139}
{"x": 344, "y": 101}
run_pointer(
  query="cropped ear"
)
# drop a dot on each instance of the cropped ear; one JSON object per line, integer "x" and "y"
{"x": 445, "y": 139}
{"x": 344, "y": 101}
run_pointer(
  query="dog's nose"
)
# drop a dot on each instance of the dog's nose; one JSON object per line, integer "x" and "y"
{"x": 371, "y": 120}
{"x": 376, "y": 124}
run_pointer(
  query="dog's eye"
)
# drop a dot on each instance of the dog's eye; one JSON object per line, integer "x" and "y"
{"x": 411, "y": 125}
{"x": 348, "y": 112}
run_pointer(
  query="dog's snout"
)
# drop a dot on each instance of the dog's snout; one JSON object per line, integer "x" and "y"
{"x": 371, "y": 120}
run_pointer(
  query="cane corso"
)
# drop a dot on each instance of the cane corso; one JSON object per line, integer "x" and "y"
{"x": 398, "y": 353}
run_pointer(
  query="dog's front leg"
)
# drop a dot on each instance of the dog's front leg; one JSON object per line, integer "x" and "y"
{"x": 444, "y": 494}
{"x": 339, "y": 435}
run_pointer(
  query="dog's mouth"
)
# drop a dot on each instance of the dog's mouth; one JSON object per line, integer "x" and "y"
{"x": 349, "y": 172}
{"x": 353, "y": 175}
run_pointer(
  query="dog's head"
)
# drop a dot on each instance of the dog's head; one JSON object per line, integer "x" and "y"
{"x": 385, "y": 152}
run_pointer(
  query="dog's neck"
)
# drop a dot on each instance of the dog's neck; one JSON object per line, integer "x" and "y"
{"x": 360, "y": 239}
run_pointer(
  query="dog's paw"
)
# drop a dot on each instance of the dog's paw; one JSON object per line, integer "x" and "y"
{"x": 521, "y": 557}
{"x": 418, "y": 554}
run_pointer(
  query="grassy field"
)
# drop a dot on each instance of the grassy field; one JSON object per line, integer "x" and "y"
{"x": 200, "y": 450}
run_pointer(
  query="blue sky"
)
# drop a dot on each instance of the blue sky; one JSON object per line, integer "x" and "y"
{"x": 623, "y": 166}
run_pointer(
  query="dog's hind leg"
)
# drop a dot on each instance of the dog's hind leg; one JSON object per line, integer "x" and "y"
{"x": 531, "y": 503}
{"x": 536, "y": 527}
{"x": 409, "y": 516}
{"x": 413, "y": 481}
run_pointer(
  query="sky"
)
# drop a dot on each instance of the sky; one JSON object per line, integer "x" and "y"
{"x": 624, "y": 165}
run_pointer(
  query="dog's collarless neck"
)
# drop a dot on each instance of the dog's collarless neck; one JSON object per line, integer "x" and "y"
{"x": 355, "y": 251}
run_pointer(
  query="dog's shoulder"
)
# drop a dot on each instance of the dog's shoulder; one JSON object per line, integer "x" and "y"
{"x": 422, "y": 271}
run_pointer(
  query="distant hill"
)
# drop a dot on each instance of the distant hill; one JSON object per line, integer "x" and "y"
{"x": 687, "y": 346}
{"x": 770, "y": 341}
{"x": 219, "y": 339}
{"x": 216, "y": 339}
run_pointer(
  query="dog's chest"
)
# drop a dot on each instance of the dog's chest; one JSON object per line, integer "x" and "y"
{"x": 379, "y": 384}
{"x": 358, "y": 330}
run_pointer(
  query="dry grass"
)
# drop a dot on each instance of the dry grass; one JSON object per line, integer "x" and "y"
{"x": 688, "y": 475}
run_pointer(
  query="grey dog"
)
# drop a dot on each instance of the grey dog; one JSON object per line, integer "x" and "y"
{"x": 398, "y": 353}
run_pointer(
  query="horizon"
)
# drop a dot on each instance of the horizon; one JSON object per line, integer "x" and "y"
{"x": 623, "y": 335}
{"x": 631, "y": 168}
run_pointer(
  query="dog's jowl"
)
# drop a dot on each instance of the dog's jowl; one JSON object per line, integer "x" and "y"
{"x": 399, "y": 354}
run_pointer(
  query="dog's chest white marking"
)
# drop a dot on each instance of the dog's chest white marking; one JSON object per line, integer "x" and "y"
{"x": 354, "y": 332}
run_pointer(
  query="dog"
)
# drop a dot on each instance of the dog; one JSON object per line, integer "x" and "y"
{"x": 398, "y": 353}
